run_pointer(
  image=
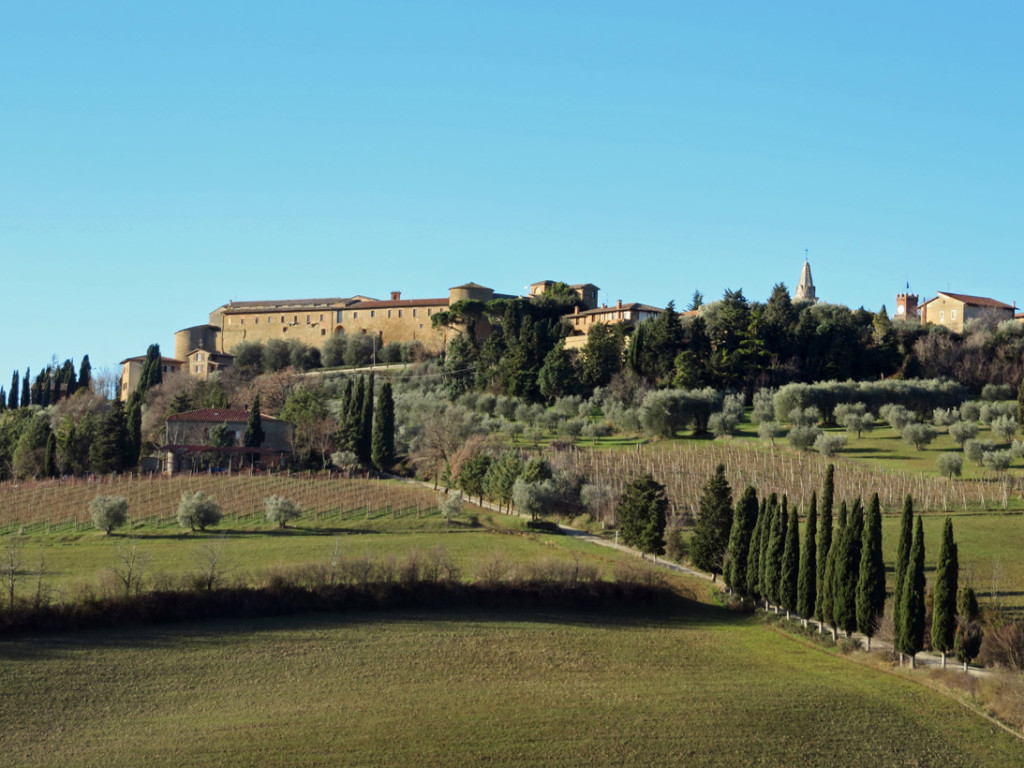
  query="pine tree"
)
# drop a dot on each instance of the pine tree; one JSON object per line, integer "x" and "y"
{"x": 383, "y": 449}
{"x": 714, "y": 524}
{"x": 902, "y": 558}
{"x": 844, "y": 590}
{"x": 871, "y": 579}
{"x": 807, "y": 583}
{"x": 824, "y": 545}
{"x": 910, "y": 632}
{"x": 365, "y": 451}
{"x": 947, "y": 576}
{"x": 744, "y": 521}
{"x": 85, "y": 373}
{"x": 790, "y": 565}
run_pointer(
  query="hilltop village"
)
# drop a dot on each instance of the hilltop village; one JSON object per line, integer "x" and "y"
{"x": 430, "y": 324}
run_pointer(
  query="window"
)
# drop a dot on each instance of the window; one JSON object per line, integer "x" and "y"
{"x": 399, "y": 313}
{"x": 389, "y": 314}
{"x": 321, "y": 318}
{"x": 295, "y": 319}
{"x": 952, "y": 314}
{"x": 355, "y": 315}
{"x": 256, "y": 321}
{"x": 242, "y": 321}
{"x": 282, "y": 318}
{"x": 414, "y": 313}
{"x": 429, "y": 310}
{"x": 373, "y": 313}
{"x": 323, "y": 331}
{"x": 942, "y": 316}
{"x": 307, "y": 319}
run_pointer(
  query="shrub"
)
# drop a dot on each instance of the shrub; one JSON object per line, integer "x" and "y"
{"x": 109, "y": 512}
{"x": 829, "y": 444}
{"x": 943, "y": 417}
{"x": 280, "y": 510}
{"x": 722, "y": 423}
{"x": 970, "y": 411}
{"x": 950, "y": 464}
{"x": 992, "y": 392}
{"x": 919, "y": 435}
{"x": 1004, "y": 646}
{"x": 196, "y": 511}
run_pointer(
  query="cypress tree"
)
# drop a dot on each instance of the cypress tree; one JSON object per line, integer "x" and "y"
{"x": 844, "y": 591}
{"x": 824, "y": 545}
{"x": 133, "y": 417}
{"x": 773, "y": 563}
{"x": 947, "y": 576}
{"x": 807, "y": 582}
{"x": 50, "y": 457}
{"x": 26, "y": 393}
{"x": 152, "y": 370}
{"x": 910, "y": 635}
{"x": 254, "y": 434}
{"x": 902, "y": 558}
{"x": 967, "y": 603}
{"x": 84, "y": 373}
{"x": 744, "y": 521}
{"x": 3, "y": 400}
{"x": 107, "y": 452}
{"x": 383, "y": 449}
{"x": 770, "y": 513}
{"x": 366, "y": 425}
{"x": 753, "y": 581}
{"x": 871, "y": 580}
{"x": 790, "y": 565}
{"x": 13, "y": 399}
{"x": 714, "y": 524}
{"x": 1020, "y": 402}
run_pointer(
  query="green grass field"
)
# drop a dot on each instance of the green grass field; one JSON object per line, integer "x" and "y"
{"x": 704, "y": 689}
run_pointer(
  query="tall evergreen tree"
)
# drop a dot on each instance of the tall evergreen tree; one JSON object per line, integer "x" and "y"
{"x": 744, "y": 520}
{"x": 776, "y": 548}
{"x": 910, "y": 632}
{"x": 152, "y": 370}
{"x": 365, "y": 451}
{"x": 947, "y": 577}
{"x": 50, "y": 458}
{"x": 871, "y": 579}
{"x": 3, "y": 400}
{"x": 108, "y": 451}
{"x": 26, "y": 392}
{"x": 641, "y": 513}
{"x": 383, "y": 449}
{"x": 771, "y": 511}
{"x": 714, "y": 524}
{"x": 85, "y": 373}
{"x": 807, "y": 585}
{"x": 902, "y": 559}
{"x": 13, "y": 399}
{"x": 754, "y": 556}
{"x": 844, "y": 591}
{"x": 133, "y": 418}
{"x": 254, "y": 434}
{"x": 790, "y": 576}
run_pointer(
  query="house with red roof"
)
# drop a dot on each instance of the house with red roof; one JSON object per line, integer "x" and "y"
{"x": 213, "y": 436}
{"x": 953, "y": 310}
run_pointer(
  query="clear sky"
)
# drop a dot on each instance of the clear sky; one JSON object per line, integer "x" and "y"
{"x": 159, "y": 159}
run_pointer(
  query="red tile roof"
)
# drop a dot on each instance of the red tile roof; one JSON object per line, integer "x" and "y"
{"x": 975, "y": 301}
{"x": 397, "y": 303}
{"x": 216, "y": 415}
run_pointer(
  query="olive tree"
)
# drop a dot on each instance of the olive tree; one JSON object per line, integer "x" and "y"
{"x": 962, "y": 431}
{"x": 196, "y": 511}
{"x": 828, "y": 444}
{"x": 950, "y": 464}
{"x": 280, "y": 510}
{"x": 919, "y": 435}
{"x": 769, "y": 430}
{"x": 804, "y": 437}
{"x": 1005, "y": 427}
{"x": 108, "y": 512}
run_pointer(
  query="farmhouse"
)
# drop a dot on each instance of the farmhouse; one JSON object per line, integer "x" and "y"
{"x": 951, "y": 310}
{"x": 194, "y": 436}
{"x": 621, "y": 314}
{"x": 131, "y": 370}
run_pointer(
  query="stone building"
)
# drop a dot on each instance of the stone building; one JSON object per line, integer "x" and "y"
{"x": 131, "y": 370}
{"x": 953, "y": 310}
{"x": 189, "y": 437}
{"x": 581, "y": 321}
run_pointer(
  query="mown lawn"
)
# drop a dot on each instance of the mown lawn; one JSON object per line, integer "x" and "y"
{"x": 467, "y": 689}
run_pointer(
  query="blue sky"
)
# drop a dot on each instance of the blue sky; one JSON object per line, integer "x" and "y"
{"x": 159, "y": 159}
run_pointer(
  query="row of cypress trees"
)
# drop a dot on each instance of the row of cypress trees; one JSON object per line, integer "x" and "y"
{"x": 365, "y": 429}
{"x": 51, "y": 384}
{"x": 838, "y": 574}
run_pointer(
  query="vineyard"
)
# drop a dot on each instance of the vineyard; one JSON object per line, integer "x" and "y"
{"x": 684, "y": 466}
{"x": 55, "y": 504}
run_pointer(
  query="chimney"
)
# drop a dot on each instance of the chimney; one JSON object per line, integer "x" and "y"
{"x": 618, "y": 304}
{"x": 396, "y": 295}
{"x": 576, "y": 309}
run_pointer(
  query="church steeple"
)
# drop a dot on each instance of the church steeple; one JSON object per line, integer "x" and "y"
{"x": 805, "y": 288}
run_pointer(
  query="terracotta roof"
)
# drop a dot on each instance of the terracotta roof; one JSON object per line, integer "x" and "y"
{"x": 143, "y": 357}
{"x": 211, "y": 353}
{"x": 974, "y": 301}
{"x": 217, "y": 415}
{"x": 371, "y": 304}
{"x": 273, "y": 305}
{"x": 470, "y": 285}
{"x": 632, "y": 307}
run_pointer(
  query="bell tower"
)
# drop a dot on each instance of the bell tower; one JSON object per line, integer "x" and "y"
{"x": 805, "y": 288}
{"x": 906, "y": 306}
